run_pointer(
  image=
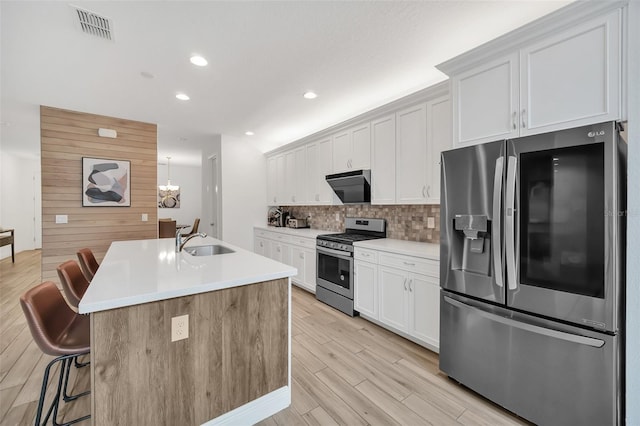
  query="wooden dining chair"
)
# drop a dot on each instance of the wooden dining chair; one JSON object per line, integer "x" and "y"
{"x": 194, "y": 228}
{"x": 167, "y": 229}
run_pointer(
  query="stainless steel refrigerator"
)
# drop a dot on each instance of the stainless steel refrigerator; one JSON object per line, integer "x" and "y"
{"x": 532, "y": 273}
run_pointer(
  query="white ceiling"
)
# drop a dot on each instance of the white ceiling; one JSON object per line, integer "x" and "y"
{"x": 263, "y": 55}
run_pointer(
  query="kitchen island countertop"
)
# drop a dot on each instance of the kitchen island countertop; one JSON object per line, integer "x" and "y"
{"x": 142, "y": 271}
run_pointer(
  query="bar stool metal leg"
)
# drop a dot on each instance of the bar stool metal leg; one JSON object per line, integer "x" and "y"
{"x": 63, "y": 377}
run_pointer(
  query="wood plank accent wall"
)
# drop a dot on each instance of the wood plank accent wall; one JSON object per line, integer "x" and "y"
{"x": 236, "y": 352}
{"x": 66, "y": 137}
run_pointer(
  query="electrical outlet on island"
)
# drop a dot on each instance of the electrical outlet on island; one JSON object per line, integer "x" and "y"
{"x": 179, "y": 328}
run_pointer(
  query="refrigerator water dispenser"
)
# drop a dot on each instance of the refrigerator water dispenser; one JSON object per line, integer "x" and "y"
{"x": 475, "y": 242}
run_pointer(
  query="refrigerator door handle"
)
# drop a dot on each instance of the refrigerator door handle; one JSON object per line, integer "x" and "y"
{"x": 575, "y": 338}
{"x": 496, "y": 242}
{"x": 509, "y": 225}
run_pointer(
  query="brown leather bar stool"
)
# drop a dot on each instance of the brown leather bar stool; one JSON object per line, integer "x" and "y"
{"x": 88, "y": 263}
{"x": 57, "y": 331}
{"x": 74, "y": 284}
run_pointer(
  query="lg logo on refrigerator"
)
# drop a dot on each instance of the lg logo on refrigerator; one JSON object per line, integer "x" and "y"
{"x": 594, "y": 134}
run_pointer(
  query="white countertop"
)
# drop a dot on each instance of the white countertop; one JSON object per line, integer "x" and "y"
{"x": 298, "y": 232}
{"x": 141, "y": 271}
{"x": 409, "y": 248}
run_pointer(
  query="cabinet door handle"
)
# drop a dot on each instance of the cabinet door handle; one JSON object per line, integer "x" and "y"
{"x": 514, "y": 120}
{"x": 409, "y": 263}
{"x": 365, "y": 254}
{"x": 428, "y": 191}
{"x": 301, "y": 255}
{"x": 278, "y": 249}
{"x": 261, "y": 244}
{"x": 424, "y": 190}
{"x": 524, "y": 121}
{"x": 410, "y": 289}
{"x": 405, "y": 284}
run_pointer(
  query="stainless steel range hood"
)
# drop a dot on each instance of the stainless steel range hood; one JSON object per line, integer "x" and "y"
{"x": 352, "y": 187}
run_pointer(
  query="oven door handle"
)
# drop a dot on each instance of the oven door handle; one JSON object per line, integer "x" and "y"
{"x": 336, "y": 253}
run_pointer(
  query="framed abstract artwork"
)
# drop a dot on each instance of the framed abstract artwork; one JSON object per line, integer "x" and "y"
{"x": 106, "y": 183}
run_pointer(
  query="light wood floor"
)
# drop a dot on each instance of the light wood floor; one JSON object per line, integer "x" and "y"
{"x": 345, "y": 371}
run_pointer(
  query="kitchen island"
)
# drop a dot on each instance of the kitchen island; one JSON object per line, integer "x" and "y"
{"x": 232, "y": 364}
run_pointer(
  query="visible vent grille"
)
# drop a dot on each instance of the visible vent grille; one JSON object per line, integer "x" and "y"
{"x": 95, "y": 25}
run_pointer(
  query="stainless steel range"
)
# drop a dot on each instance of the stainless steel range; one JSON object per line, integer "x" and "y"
{"x": 334, "y": 274}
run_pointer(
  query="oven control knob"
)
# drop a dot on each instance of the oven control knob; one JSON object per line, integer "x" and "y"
{"x": 341, "y": 277}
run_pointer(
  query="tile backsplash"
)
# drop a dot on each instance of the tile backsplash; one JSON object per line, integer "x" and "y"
{"x": 404, "y": 222}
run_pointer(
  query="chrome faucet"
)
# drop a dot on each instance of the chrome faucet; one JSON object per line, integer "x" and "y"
{"x": 180, "y": 242}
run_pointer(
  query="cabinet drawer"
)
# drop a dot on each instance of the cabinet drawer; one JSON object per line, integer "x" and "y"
{"x": 275, "y": 236}
{"x": 309, "y": 243}
{"x": 262, "y": 233}
{"x": 411, "y": 264}
{"x": 366, "y": 255}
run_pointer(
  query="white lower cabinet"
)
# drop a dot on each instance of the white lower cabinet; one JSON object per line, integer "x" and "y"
{"x": 261, "y": 246}
{"x": 280, "y": 252}
{"x": 394, "y": 296}
{"x": 424, "y": 308}
{"x": 366, "y": 288}
{"x": 295, "y": 251}
{"x": 399, "y": 292}
{"x": 304, "y": 260}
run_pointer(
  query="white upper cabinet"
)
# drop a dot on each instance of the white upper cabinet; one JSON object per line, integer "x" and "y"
{"x": 341, "y": 151}
{"x": 272, "y": 185}
{"x": 572, "y": 78}
{"x": 352, "y": 149}
{"x": 567, "y": 77}
{"x": 282, "y": 189}
{"x": 361, "y": 147}
{"x": 383, "y": 160}
{"x": 295, "y": 165}
{"x": 485, "y": 102}
{"x": 438, "y": 139}
{"x": 411, "y": 155}
{"x": 319, "y": 164}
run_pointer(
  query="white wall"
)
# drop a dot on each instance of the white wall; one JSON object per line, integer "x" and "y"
{"x": 244, "y": 171}
{"x": 20, "y": 201}
{"x": 189, "y": 178}
{"x": 633, "y": 222}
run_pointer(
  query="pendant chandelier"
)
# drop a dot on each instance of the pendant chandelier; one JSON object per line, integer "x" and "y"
{"x": 168, "y": 187}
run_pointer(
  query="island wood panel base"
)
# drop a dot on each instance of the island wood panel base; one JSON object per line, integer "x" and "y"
{"x": 237, "y": 351}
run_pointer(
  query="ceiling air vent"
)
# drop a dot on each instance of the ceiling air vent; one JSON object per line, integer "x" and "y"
{"x": 94, "y": 24}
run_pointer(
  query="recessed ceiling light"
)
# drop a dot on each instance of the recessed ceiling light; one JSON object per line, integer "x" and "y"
{"x": 249, "y": 133}
{"x": 310, "y": 95}
{"x": 198, "y": 60}
{"x": 182, "y": 97}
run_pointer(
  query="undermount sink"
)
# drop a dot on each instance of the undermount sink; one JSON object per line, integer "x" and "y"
{"x": 208, "y": 250}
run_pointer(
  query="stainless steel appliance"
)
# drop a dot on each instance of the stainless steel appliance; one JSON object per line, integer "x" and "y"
{"x": 532, "y": 251}
{"x": 334, "y": 252}
{"x": 352, "y": 187}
